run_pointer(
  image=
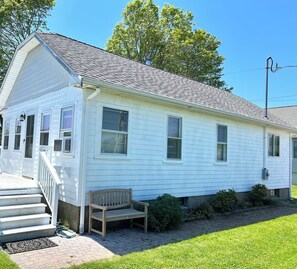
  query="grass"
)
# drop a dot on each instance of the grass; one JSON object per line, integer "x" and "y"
{"x": 6, "y": 262}
{"x": 294, "y": 191}
{"x": 270, "y": 244}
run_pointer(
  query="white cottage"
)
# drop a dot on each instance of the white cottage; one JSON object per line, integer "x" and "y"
{"x": 104, "y": 121}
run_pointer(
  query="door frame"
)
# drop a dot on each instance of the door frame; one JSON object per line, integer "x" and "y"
{"x": 27, "y": 161}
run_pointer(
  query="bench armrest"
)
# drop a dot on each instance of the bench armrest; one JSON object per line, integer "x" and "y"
{"x": 98, "y": 206}
{"x": 140, "y": 203}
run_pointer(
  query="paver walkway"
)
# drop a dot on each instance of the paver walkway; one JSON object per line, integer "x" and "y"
{"x": 87, "y": 248}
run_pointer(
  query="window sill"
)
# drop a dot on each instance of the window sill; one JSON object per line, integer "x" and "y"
{"x": 173, "y": 162}
{"x": 112, "y": 157}
{"x": 63, "y": 154}
{"x": 221, "y": 163}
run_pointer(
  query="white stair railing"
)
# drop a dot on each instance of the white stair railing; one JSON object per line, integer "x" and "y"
{"x": 49, "y": 183}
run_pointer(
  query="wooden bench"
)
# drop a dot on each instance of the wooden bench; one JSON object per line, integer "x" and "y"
{"x": 113, "y": 205}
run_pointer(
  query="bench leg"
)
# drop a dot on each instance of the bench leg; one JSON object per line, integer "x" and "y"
{"x": 145, "y": 224}
{"x": 103, "y": 230}
{"x": 90, "y": 220}
{"x": 131, "y": 223}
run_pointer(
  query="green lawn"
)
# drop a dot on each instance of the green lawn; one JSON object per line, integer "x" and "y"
{"x": 294, "y": 191}
{"x": 270, "y": 244}
{"x": 6, "y": 262}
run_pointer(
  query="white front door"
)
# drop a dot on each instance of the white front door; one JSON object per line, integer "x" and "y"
{"x": 28, "y": 160}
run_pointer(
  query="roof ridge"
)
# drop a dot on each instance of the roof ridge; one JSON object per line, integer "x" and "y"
{"x": 143, "y": 64}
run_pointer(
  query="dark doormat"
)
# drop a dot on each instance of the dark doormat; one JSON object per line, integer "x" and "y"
{"x": 28, "y": 245}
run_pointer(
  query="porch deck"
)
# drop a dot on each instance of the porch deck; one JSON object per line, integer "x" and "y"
{"x": 13, "y": 182}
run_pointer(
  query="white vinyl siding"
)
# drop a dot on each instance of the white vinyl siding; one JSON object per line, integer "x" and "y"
{"x": 39, "y": 75}
{"x": 149, "y": 173}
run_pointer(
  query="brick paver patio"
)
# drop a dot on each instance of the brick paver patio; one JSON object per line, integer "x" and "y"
{"x": 86, "y": 248}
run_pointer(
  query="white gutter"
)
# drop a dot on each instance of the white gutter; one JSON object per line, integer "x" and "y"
{"x": 83, "y": 158}
{"x": 169, "y": 100}
{"x": 94, "y": 94}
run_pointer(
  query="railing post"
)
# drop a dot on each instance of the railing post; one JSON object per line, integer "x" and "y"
{"x": 49, "y": 183}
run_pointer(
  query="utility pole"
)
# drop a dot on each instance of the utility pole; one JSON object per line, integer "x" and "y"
{"x": 273, "y": 70}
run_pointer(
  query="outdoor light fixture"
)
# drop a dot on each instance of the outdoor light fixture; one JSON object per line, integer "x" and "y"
{"x": 22, "y": 116}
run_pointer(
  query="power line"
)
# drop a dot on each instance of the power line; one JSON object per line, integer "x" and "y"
{"x": 257, "y": 69}
{"x": 275, "y": 98}
{"x": 243, "y": 71}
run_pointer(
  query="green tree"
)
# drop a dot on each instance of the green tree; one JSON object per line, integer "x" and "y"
{"x": 169, "y": 39}
{"x": 18, "y": 20}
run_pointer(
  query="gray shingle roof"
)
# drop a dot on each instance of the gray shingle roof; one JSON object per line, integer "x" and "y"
{"x": 91, "y": 62}
{"x": 288, "y": 113}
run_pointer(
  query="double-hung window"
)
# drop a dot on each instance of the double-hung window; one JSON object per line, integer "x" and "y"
{"x": 174, "y": 138}
{"x": 66, "y": 129}
{"x": 6, "y": 135}
{"x": 114, "y": 139}
{"x": 273, "y": 145}
{"x": 17, "y": 135}
{"x": 44, "y": 129}
{"x": 222, "y": 143}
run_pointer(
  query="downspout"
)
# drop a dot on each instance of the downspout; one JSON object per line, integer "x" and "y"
{"x": 264, "y": 147}
{"x": 83, "y": 159}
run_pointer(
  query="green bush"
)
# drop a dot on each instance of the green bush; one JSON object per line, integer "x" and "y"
{"x": 224, "y": 201}
{"x": 165, "y": 213}
{"x": 204, "y": 211}
{"x": 258, "y": 195}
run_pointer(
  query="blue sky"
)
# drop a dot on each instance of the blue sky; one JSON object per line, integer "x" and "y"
{"x": 250, "y": 31}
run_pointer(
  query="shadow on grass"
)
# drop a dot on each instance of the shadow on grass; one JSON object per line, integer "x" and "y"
{"x": 124, "y": 241}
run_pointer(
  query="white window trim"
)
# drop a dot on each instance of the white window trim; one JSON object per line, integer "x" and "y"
{"x": 70, "y": 107}
{"x": 221, "y": 162}
{"x": 167, "y": 160}
{"x": 99, "y": 129}
{"x": 50, "y": 127}
{"x": 273, "y": 141}
{"x": 15, "y": 133}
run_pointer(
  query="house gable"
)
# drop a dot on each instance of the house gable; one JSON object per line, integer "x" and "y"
{"x": 39, "y": 75}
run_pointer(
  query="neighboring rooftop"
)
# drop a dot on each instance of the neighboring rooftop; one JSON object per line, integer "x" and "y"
{"x": 287, "y": 113}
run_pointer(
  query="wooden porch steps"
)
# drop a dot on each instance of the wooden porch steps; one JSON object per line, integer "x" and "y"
{"x": 22, "y": 216}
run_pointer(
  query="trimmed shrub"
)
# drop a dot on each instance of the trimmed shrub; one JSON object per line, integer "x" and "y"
{"x": 258, "y": 195}
{"x": 165, "y": 213}
{"x": 224, "y": 201}
{"x": 204, "y": 211}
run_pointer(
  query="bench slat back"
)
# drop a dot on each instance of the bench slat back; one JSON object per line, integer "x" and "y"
{"x": 112, "y": 198}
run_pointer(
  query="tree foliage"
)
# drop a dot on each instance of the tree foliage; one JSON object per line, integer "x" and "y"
{"x": 169, "y": 39}
{"x": 19, "y": 19}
